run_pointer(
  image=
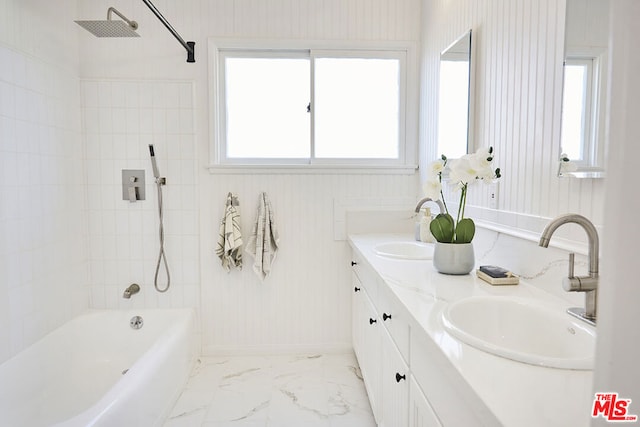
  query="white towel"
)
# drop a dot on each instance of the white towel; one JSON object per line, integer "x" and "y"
{"x": 229, "y": 248}
{"x": 262, "y": 245}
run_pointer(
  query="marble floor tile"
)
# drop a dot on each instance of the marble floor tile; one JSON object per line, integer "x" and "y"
{"x": 324, "y": 390}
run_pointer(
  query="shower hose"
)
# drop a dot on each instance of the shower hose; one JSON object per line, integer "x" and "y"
{"x": 162, "y": 257}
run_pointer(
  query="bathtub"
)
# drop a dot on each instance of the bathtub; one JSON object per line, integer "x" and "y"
{"x": 96, "y": 370}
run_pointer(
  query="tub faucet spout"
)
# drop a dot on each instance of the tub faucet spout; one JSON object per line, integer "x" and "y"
{"x": 131, "y": 290}
{"x": 429, "y": 199}
{"x": 587, "y": 284}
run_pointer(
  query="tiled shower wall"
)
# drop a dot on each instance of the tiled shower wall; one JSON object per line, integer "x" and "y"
{"x": 43, "y": 266}
{"x": 120, "y": 120}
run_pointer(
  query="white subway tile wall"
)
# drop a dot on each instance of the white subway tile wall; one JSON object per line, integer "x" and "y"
{"x": 43, "y": 263}
{"x": 120, "y": 120}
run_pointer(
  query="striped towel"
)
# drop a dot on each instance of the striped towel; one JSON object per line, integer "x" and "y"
{"x": 262, "y": 245}
{"x": 229, "y": 248}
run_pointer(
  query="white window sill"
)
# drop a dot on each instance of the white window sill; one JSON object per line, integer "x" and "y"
{"x": 312, "y": 169}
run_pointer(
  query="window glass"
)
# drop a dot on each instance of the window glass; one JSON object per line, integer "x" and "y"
{"x": 266, "y": 108}
{"x": 356, "y": 108}
{"x": 574, "y": 110}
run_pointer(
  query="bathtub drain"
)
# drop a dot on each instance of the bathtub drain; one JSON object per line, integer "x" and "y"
{"x": 136, "y": 322}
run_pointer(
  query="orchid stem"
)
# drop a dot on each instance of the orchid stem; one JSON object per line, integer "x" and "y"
{"x": 446, "y": 209}
{"x": 461, "y": 206}
{"x": 464, "y": 202}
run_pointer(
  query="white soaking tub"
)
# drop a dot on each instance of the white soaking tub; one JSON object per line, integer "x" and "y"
{"x": 96, "y": 370}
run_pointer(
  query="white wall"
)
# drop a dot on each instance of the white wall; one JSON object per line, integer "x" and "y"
{"x": 618, "y": 348}
{"x": 304, "y": 305}
{"x": 43, "y": 266}
{"x": 587, "y": 25}
{"x": 517, "y": 54}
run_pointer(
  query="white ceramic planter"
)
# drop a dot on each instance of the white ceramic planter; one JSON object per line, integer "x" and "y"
{"x": 453, "y": 258}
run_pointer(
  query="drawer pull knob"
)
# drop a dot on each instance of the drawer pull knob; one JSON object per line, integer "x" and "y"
{"x": 353, "y": 263}
{"x": 356, "y": 289}
{"x": 385, "y": 317}
{"x": 372, "y": 321}
{"x": 400, "y": 377}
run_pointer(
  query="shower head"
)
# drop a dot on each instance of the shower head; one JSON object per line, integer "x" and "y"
{"x": 110, "y": 28}
{"x": 156, "y": 174}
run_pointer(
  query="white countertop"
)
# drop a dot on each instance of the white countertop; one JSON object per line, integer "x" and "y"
{"x": 517, "y": 393}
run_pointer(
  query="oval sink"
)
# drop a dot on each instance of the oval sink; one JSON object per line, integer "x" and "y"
{"x": 520, "y": 330}
{"x": 405, "y": 250}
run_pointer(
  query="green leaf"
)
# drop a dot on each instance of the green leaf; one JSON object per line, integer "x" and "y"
{"x": 465, "y": 230}
{"x": 442, "y": 228}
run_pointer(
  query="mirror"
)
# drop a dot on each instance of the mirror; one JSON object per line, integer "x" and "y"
{"x": 582, "y": 134}
{"x": 454, "y": 98}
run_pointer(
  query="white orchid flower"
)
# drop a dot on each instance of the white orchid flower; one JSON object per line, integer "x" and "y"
{"x": 432, "y": 188}
{"x": 435, "y": 168}
{"x": 461, "y": 170}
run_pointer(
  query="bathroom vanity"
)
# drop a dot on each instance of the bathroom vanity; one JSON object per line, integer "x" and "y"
{"x": 418, "y": 374}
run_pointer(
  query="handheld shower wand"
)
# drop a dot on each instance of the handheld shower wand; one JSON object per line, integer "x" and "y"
{"x": 162, "y": 257}
{"x": 154, "y": 165}
{"x": 156, "y": 174}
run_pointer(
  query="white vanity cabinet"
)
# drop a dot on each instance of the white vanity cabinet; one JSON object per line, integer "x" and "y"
{"x": 419, "y": 375}
{"x": 380, "y": 335}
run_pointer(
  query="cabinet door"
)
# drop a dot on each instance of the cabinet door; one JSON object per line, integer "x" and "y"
{"x": 366, "y": 329}
{"x": 420, "y": 412}
{"x": 395, "y": 385}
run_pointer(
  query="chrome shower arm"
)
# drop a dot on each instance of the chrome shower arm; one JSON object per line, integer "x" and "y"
{"x": 132, "y": 24}
{"x": 189, "y": 46}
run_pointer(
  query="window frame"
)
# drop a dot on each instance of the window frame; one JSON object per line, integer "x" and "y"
{"x": 408, "y": 102}
{"x": 588, "y": 130}
{"x": 593, "y": 142}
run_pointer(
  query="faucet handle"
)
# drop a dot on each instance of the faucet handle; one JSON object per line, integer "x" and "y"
{"x": 572, "y": 261}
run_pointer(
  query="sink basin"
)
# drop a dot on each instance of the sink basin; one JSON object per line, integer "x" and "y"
{"x": 405, "y": 250}
{"x": 520, "y": 330}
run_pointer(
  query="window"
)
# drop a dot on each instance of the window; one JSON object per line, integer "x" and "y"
{"x": 581, "y": 112}
{"x": 309, "y": 107}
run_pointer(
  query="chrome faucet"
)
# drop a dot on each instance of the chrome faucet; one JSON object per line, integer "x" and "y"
{"x": 429, "y": 199}
{"x": 587, "y": 284}
{"x": 131, "y": 290}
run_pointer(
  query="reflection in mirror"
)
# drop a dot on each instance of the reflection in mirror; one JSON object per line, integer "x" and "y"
{"x": 585, "y": 88}
{"x": 453, "y": 103}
